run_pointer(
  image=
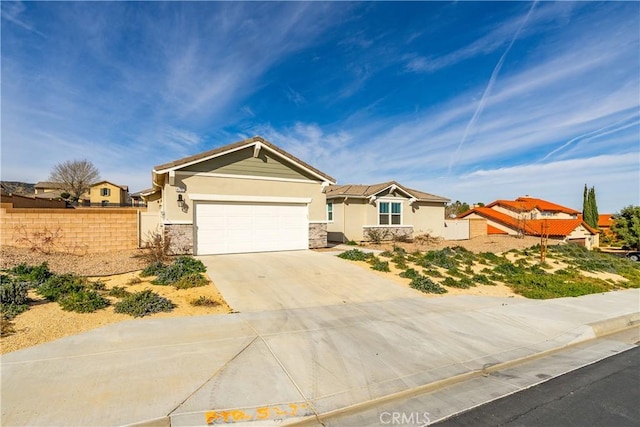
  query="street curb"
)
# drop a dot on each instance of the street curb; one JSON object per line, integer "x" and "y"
{"x": 597, "y": 329}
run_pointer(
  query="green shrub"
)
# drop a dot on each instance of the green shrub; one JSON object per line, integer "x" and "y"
{"x": 96, "y": 286}
{"x": 432, "y": 272}
{"x": 59, "y": 285}
{"x": 453, "y": 283}
{"x": 143, "y": 303}
{"x": 183, "y": 266}
{"x": 34, "y": 274}
{"x": 386, "y": 254}
{"x": 352, "y": 243}
{"x": 355, "y": 255}
{"x": 83, "y": 301}
{"x": 118, "y": 292}
{"x": 153, "y": 269}
{"x": 488, "y": 258}
{"x": 482, "y": 279}
{"x": 426, "y": 285}
{"x": 193, "y": 280}
{"x": 13, "y": 292}
{"x": 443, "y": 258}
{"x": 507, "y": 268}
{"x": 379, "y": 265}
{"x": 203, "y": 301}
{"x": 409, "y": 273}
{"x": 455, "y": 272}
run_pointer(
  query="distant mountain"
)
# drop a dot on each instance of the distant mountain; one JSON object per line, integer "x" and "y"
{"x": 16, "y": 187}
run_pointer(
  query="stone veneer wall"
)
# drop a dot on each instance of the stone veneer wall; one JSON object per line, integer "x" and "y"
{"x": 317, "y": 235}
{"x": 181, "y": 236}
{"x": 388, "y": 233}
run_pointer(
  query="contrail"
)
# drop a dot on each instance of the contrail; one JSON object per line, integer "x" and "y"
{"x": 594, "y": 133}
{"x": 487, "y": 91}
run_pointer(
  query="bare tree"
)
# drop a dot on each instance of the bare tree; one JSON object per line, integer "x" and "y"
{"x": 76, "y": 176}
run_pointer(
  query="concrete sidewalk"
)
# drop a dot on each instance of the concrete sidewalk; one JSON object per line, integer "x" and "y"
{"x": 291, "y": 364}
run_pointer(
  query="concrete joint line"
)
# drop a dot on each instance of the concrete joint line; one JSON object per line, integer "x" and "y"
{"x": 213, "y": 375}
{"x": 307, "y": 401}
{"x": 425, "y": 388}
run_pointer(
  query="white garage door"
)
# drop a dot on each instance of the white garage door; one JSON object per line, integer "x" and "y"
{"x": 227, "y": 228}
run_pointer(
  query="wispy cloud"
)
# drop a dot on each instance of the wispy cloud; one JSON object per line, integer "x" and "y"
{"x": 12, "y": 10}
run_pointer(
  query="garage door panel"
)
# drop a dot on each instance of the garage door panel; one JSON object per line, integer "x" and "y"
{"x": 239, "y": 227}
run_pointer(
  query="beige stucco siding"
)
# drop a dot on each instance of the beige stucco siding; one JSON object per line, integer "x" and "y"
{"x": 425, "y": 218}
{"x": 242, "y": 162}
{"x": 196, "y": 184}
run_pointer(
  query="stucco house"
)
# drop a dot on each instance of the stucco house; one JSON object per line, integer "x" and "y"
{"x": 389, "y": 209}
{"x": 249, "y": 196}
{"x": 535, "y": 217}
{"x": 105, "y": 193}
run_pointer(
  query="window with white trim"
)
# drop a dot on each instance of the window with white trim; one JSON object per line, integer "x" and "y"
{"x": 330, "y": 211}
{"x": 389, "y": 213}
{"x": 105, "y": 192}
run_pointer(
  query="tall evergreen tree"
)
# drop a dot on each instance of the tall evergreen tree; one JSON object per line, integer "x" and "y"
{"x": 585, "y": 204}
{"x": 593, "y": 205}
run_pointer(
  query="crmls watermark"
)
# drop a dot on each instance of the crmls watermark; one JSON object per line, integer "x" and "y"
{"x": 405, "y": 418}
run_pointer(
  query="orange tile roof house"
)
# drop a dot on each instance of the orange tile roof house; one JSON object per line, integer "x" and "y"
{"x": 535, "y": 217}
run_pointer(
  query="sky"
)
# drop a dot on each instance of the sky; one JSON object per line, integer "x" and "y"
{"x": 473, "y": 101}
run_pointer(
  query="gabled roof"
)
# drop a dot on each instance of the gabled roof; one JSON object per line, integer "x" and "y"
{"x": 256, "y": 140}
{"x": 124, "y": 187}
{"x": 522, "y": 204}
{"x": 605, "y": 220}
{"x": 49, "y": 184}
{"x": 533, "y": 227}
{"x": 364, "y": 191}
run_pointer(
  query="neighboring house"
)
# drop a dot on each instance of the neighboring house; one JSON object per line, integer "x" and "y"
{"x": 355, "y": 212}
{"x": 105, "y": 193}
{"x": 137, "y": 199}
{"x": 535, "y": 217}
{"x": 605, "y": 221}
{"x": 249, "y": 196}
{"x": 49, "y": 190}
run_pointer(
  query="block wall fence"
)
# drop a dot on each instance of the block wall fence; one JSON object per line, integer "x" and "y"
{"x": 77, "y": 231}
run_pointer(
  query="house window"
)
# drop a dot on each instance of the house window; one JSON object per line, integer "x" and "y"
{"x": 105, "y": 192}
{"x": 330, "y": 211}
{"x": 390, "y": 213}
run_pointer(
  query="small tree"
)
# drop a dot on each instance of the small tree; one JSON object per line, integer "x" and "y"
{"x": 76, "y": 176}
{"x": 626, "y": 226}
{"x": 455, "y": 209}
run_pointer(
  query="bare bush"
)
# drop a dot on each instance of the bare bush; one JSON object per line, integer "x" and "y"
{"x": 426, "y": 239}
{"x": 45, "y": 241}
{"x": 157, "y": 246}
{"x": 376, "y": 235}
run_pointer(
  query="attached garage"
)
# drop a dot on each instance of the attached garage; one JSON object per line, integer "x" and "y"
{"x": 250, "y": 196}
{"x": 238, "y": 227}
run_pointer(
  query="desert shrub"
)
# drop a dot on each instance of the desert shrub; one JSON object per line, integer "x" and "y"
{"x": 98, "y": 285}
{"x": 355, "y": 255}
{"x": 193, "y": 280}
{"x": 59, "y": 285}
{"x": 118, "y": 292}
{"x": 409, "y": 273}
{"x": 432, "y": 272}
{"x": 507, "y": 268}
{"x": 157, "y": 246}
{"x": 352, "y": 243}
{"x": 468, "y": 270}
{"x": 376, "y": 235}
{"x": 425, "y": 239}
{"x": 134, "y": 281}
{"x": 453, "y": 283}
{"x": 153, "y": 269}
{"x": 488, "y": 258}
{"x": 13, "y": 301}
{"x": 44, "y": 241}
{"x": 34, "y": 274}
{"x": 203, "y": 301}
{"x": 401, "y": 237}
{"x": 379, "y": 265}
{"x": 386, "y": 254}
{"x": 426, "y": 285}
{"x": 555, "y": 286}
{"x": 482, "y": 279}
{"x": 399, "y": 261}
{"x": 455, "y": 272}
{"x": 82, "y": 301}
{"x": 12, "y": 292}
{"x": 143, "y": 303}
{"x": 442, "y": 258}
{"x": 183, "y": 266}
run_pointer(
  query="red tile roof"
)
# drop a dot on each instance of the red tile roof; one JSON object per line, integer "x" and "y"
{"x": 529, "y": 203}
{"x": 533, "y": 227}
{"x": 494, "y": 230}
{"x": 605, "y": 220}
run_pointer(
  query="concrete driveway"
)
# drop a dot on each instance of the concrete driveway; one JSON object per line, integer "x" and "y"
{"x": 296, "y": 279}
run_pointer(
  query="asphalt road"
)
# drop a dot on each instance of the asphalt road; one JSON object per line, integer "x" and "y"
{"x": 606, "y": 393}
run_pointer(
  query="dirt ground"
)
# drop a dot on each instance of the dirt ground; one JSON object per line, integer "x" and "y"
{"x": 495, "y": 244}
{"x": 46, "y": 321}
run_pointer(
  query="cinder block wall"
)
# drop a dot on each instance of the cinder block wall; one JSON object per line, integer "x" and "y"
{"x": 477, "y": 227}
{"x": 76, "y": 231}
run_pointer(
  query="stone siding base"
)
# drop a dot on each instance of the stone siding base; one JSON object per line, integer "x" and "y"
{"x": 181, "y": 238}
{"x": 386, "y": 233}
{"x": 317, "y": 235}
